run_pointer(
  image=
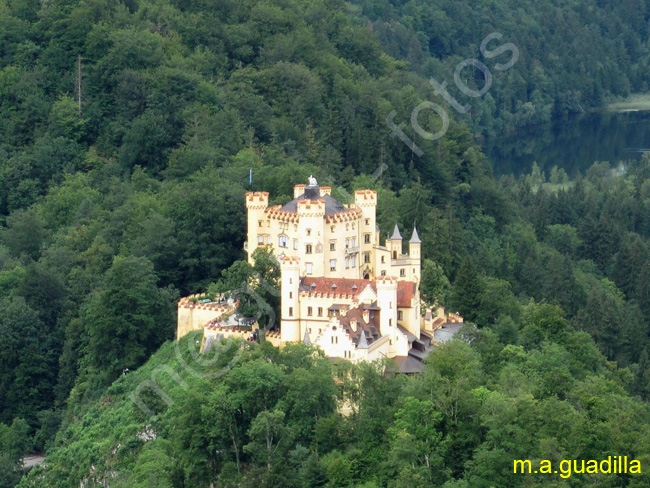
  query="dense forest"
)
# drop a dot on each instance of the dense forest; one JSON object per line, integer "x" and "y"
{"x": 128, "y": 131}
{"x": 574, "y": 55}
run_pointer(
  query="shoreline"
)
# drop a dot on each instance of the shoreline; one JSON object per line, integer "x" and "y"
{"x": 634, "y": 103}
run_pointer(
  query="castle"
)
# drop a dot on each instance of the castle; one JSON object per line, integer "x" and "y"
{"x": 341, "y": 289}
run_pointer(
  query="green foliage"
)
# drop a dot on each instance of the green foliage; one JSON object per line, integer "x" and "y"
{"x": 109, "y": 210}
{"x": 129, "y": 319}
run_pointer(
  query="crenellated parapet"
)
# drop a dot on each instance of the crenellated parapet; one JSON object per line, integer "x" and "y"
{"x": 257, "y": 200}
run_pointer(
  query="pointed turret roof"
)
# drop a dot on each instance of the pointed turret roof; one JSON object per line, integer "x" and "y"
{"x": 363, "y": 342}
{"x": 415, "y": 238}
{"x": 396, "y": 234}
{"x": 306, "y": 339}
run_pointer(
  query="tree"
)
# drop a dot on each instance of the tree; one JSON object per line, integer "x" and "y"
{"x": 416, "y": 438}
{"x": 467, "y": 291}
{"x": 128, "y": 318}
{"x": 434, "y": 285}
{"x": 270, "y": 438}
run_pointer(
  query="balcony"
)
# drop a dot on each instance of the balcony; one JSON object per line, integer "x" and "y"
{"x": 352, "y": 250}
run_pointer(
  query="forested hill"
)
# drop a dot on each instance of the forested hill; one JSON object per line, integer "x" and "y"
{"x": 574, "y": 54}
{"x": 128, "y": 132}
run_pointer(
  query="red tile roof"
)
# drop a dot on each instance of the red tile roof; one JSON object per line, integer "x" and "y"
{"x": 344, "y": 286}
{"x": 405, "y": 293}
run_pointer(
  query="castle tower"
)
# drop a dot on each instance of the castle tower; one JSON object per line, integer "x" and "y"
{"x": 311, "y": 213}
{"x": 387, "y": 302}
{"x": 290, "y": 306}
{"x": 394, "y": 243}
{"x": 366, "y": 200}
{"x": 298, "y": 190}
{"x": 415, "y": 253}
{"x": 256, "y": 204}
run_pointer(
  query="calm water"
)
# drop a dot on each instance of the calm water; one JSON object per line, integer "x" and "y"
{"x": 572, "y": 145}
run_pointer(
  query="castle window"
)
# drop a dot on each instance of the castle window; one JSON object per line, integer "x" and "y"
{"x": 383, "y": 273}
{"x": 332, "y": 228}
{"x": 308, "y": 249}
{"x": 260, "y": 240}
{"x": 310, "y": 311}
{"x": 309, "y": 268}
{"x": 260, "y": 223}
{"x": 354, "y": 242}
{"x": 290, "y": 294}
{"x": 400, "y": 315}
{"x": 353, "y": 225}
{"x": 283, "y": 241}
{"x": 291, "y": 281}
{"x": 390, "y": 322}
{"x": 332, "y": 264}
{"x": 390, "y": 305}
{"x": 332, "y": 245}
{"x": 354, "y": 261}
{"x": 347, "y": 243}
{"x": 367, "y": 221}
{"x": 320, "y": 311}
{"x": 347, "y": 262}
{"x": 308, "y": 232}
{"x": 347, "y": 226}
{"x": 402, "y": 272}
{"x": 394, "y": 254}
{"x": 268, "y": 240}
{"x": 366, "y": 238}
{"x": 295, "y": 244}
{"x": 290, "y": 311}
{"x": 366, "y": 257}
{"x": 383, "y": 259}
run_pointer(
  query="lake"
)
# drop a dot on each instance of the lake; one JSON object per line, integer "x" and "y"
{"x": 573, "y": 145}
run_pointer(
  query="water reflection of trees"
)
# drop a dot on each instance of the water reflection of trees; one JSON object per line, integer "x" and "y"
{"x": 573, "y": 145}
